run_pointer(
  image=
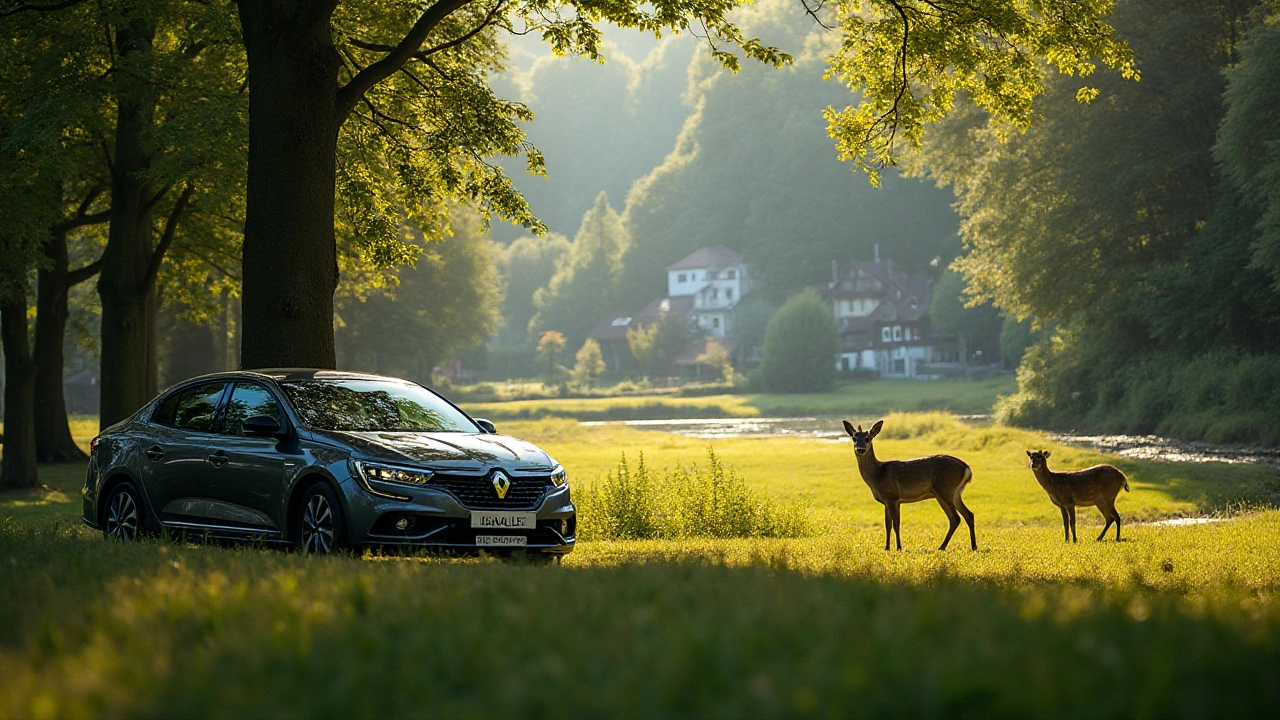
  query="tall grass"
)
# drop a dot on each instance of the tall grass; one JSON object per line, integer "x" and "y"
{"x": 688, "y": 501}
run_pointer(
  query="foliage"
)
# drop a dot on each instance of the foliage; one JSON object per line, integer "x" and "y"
{"x": 442, "y": 304}
{"x": 585, "y": 281}
{"x": 643, "y": 343}
{"x": 709, "y": 501}
{"x": 753, "y": 170}
{"x": 1112, "y": 225}
{"x": 527, "y": 265}
{"x": 800, "y": 345}
{"x": 1249, "y": 139}
{"x": 550, "y": 345}
{"x": 909, "y": 59}
{"x": 950, "y": 313}
{"x": 589, "y": 364}
{"x": 717, "y": 358}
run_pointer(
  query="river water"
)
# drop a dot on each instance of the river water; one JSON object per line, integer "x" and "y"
{"x": 1146, "y": 447}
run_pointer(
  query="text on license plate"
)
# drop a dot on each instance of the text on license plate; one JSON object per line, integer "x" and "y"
{"x": 501, "y": 540}
{"x": 503, "y": 520}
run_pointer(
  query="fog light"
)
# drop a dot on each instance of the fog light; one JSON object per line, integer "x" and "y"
{"x": 402, "y": 524}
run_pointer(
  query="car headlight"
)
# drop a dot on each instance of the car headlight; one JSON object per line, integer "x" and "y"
{"x": 559, "y": 477}
{"x": 368, "y": 472}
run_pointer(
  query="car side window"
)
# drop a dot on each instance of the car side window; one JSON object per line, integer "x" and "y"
{"x": 196, "y": 408}
{"x": 247, "y": 400}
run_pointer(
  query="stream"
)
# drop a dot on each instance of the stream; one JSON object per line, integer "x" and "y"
{"x": 1145, "y": 447}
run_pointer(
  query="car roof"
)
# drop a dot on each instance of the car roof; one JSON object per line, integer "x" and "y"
{"x": 291, "y": 374}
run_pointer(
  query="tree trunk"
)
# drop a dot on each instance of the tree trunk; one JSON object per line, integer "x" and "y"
{"x": 53, "y": 434}
{"x": 290, "y": 257}
{"x": 126, "y": 369}
{"x": 18, "y": 464}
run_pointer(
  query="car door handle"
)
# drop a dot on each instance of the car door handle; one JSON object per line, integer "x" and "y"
{"x": 155, "y": 453}
{"x": 218, "y": 459}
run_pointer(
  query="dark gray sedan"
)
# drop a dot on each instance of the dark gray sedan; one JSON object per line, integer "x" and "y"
{"x": 324, "y": 460}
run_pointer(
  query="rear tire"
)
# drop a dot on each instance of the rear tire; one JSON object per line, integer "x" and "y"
{"x": 124, "y": 517}
{"x": 321, "y": 528}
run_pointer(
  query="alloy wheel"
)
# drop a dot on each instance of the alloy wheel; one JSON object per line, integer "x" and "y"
{"x": 317, "y": 526}
{"x": 122, "y": 517}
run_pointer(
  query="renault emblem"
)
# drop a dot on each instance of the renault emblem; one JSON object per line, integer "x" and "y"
{"x": 501, "y": 483}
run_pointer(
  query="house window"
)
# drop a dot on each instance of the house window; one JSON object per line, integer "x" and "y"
{"x": 715, "y": 323}
{"x": 731, "y": 274}
{"x": 900, "y": 366}
{"x": 715, "y": 294}
{"x": 712, "y": 274}
{"x": 897, "y": 332}
{"x": 680, "y": 277}
{"x": 884, "y": 334}
{"x": 728, "y": 294}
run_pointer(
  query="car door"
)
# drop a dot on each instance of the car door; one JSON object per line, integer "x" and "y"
{"x": 175, "y": 457}
{"x": 247, "y": 483}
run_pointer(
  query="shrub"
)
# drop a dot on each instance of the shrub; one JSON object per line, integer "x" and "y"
{"x": 800, "y": 345}
{"x": 697, "y": 501}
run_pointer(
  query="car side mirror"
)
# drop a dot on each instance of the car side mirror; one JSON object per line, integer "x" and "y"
{"x": 261, "y": 425}
{"x": 486, "y": 426}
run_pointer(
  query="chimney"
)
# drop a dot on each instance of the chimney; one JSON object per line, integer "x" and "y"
{"x": 877, "y": 253}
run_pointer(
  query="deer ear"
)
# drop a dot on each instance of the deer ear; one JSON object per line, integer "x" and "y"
{"x": 1046, "y": 454}
{"x": 875, "y": 429}
{"x": 848, "y": 427}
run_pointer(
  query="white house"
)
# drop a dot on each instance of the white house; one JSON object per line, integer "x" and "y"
{"x": 716, "y": 278}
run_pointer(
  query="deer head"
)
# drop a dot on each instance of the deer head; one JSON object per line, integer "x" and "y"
{"x": 1038, "y": 458}
{"x": 862, "y": 438}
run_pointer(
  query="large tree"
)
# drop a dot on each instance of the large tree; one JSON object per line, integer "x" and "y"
{"x": 314, "y": 66}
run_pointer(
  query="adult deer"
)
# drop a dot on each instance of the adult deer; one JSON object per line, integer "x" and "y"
{"x": 1097, "y": 486}
{"x": 892, "y": 483}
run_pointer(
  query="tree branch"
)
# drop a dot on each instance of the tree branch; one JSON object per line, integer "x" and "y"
{"x": 355, "y": 89}
{"x": 82, "y": 216}
{"x": 24, "y": 7}
{"x": 170, "y": 229}
{"x": 75, "y": 277}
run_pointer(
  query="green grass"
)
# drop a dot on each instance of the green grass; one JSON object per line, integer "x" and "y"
{"x": 868, "y": 398}
{"x": 1171, "y": 622}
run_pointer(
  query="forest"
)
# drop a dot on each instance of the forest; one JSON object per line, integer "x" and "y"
{"x": 1110, "y": 211}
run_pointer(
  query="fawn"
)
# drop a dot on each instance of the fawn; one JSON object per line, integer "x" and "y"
{"x": 1097, "y": 486}
{"x": 892, "y": 483}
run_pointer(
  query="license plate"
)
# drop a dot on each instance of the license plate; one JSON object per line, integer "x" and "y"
{"x": 501, "y": 540}
{"x": 503, "y": 520}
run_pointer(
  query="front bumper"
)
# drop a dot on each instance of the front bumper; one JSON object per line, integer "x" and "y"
{"x": 438, "y": 520}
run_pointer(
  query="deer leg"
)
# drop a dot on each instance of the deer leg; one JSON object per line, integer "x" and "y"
{"x": 1071, "y": 512}
{"x": 1106, "y": 515}
{"x": 1066, "y": 525}
{"x": 967, "y": 514}
{"x": 952, "y": 517}
{"x": 897, "y": 523}
{"x": 1111, "y": 506}
{"x": 888, "y": 525}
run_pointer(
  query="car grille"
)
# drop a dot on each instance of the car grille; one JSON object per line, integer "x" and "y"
{"x": 477, "y": 491}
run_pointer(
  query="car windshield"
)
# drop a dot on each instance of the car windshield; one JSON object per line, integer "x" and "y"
{"x": 374, "y": 405}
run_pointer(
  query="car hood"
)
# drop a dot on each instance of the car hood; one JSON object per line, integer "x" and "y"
{"x": 445, "y": 451}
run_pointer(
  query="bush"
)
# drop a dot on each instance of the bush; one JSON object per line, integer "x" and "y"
{"x": 697, "y": 501}
{"x": 800, "y": 345}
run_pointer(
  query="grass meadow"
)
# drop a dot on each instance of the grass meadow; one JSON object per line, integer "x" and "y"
{"x": 1175, "y": 621}
{"x": 859, "y": 398}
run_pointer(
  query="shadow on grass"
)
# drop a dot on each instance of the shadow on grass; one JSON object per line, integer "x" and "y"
{"x": 150, "y": 629}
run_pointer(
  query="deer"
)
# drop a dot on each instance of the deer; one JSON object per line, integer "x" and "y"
{"x": 1097, "y": 486}
{"x": 892, "y": 483}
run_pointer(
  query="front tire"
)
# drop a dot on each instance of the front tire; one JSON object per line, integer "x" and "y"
{"x": 321, "y": 527}
{"x": 123, "y": 518}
